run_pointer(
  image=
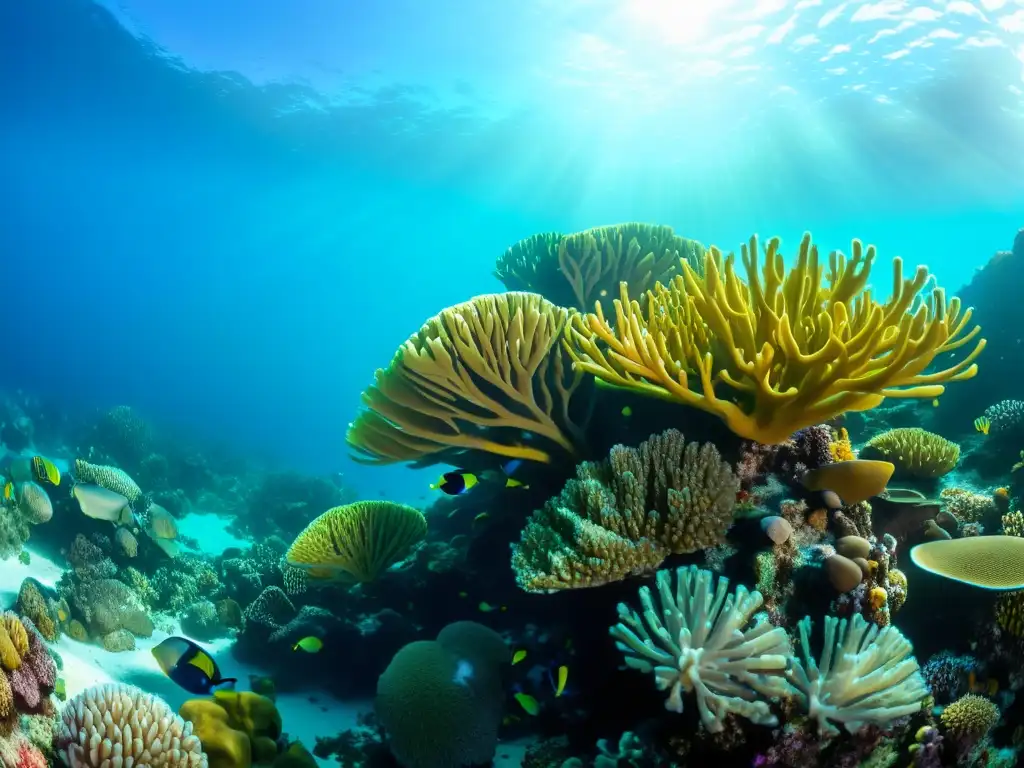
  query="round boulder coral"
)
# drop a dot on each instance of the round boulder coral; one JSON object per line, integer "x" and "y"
{"x": 111, "y": 725}
{"x": 970, "y": 715}
{"x": 441, "y": 702}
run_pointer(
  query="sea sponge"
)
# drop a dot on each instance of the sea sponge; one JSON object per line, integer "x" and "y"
{"x": 441, "y": 706}
{"x": 971, "y": 716}
{"x": 472, "y": 381}
{"x": 896, "y": 589}
{"x": 105, "y": 725}
{"x": 357, "y": 541}
{"x": 990, "y": 562}
{"x": 623, "y": 516}
{"x": 254, "y": 715}
{"x": 790, "y": 349}
{"x": 914, "y": 451}
{"x": 576, "y": 270}
{"x": 855, "y": 481}
{"x": 840, "y": 447}
{"x": 224, "y": 746}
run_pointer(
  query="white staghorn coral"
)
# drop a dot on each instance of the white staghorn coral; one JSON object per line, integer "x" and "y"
{"x": 699, "y": 641}
{"x": 111, "y": 726}
{"x": 865, "y": 677}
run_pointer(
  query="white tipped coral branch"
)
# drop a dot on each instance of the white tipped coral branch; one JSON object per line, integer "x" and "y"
{"x": 866, "y": 676}
{"x": 696, "y": 641}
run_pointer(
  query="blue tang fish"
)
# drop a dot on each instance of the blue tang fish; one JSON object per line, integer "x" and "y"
{"x": 190, "y": 666}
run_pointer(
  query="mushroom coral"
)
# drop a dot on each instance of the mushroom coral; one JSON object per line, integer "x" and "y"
{"x": 576, "y": 270}
{"x": 479, "y": 376}
{"x": 792, "y": 348}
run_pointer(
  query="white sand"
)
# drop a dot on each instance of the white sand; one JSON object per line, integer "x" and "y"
{"x": 86, "y": 665}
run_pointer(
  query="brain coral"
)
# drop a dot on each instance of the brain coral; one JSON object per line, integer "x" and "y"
{"x": 441, "y": 701}
{"x": 109, "y": 726}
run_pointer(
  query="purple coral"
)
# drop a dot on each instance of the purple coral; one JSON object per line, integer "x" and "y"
{"x": 34, "y": 680}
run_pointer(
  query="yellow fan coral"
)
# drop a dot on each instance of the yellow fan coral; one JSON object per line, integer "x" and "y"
{"x": 576, "y": 270}
{"x": 357, "y": 541}
{"x": 914, "y": 451}
{"x": 488, "y": 375}
{"x": 792, "y": 349}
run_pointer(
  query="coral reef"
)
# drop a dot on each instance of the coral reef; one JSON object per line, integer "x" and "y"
{"x": 623, "y": 516}
{"x": 915, "y": 452}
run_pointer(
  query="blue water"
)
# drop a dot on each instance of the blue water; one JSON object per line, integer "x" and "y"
{"x": 228, "y": 213}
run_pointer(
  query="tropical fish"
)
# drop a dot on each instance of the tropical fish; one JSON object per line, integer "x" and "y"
{"x": 190, "y": 666}
{"x": 460, "y": 481}
{"x": 309, "y": 644}
{"x": 988, "y": 687}
{"x": 454, "y": 483}
{"x": 102, "y": 504}
{"x": 563, "y": 677}
{"x": 8, "y": 491}
{"x": 627, "y": 411}
{"x": 982, "y": 424}
{"x": 486, "y": 607}
{"x": 162, "y": 524}
{"x": 518, "y": 656}
{"x": 45, "y": 470}
{"x": 528, "y": 703}
{"x": 169, "y": 546}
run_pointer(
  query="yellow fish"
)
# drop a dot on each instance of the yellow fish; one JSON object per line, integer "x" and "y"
{"x": 935, "y": 403}
{"x": 454, "y": 483}
{"x": 982, "y": 424}
{"x": 563, "y": 677}
{"x": 9, "y": 491}
{"x": 518, "y": 656}
{"x": 528, "y": 703}
{"x": 309, "y": 644}
{"x": 45, "y": 470}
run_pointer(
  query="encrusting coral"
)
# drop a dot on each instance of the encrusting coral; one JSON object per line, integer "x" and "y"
{"x": 578, "y": 269}
{"x": 793, "y": 350}
{"x": 474, "y": 378}
{"x": 357, "y": 541}
{"x": 236, "y": 729}
{"x": 623, "y": 516}
{"x": 914, "y": 451}
{"x": 120, "y": 724}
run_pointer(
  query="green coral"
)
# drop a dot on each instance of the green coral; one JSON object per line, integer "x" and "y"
{"x": 623, "y": 516}
{"x": 579, "y": 269}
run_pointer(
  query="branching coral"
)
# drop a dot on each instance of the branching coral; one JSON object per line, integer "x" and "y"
{"x": 703, "y": 639}
{"x": 792, "y": 349}
{"x": 866, "y": 676}
{"x": 474, "y": 379}
{"x": 914, "y": 451}
{"x": 357, "y": 541}
{"x": 576, "y": 270}
{"x": 623, "y": 516}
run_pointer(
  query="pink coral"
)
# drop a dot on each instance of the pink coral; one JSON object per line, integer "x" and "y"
{"x": 30, "y": 756}
{"x": 34, "y": 680}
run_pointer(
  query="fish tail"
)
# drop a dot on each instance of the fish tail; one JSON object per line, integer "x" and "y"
{"x": 512, "y": 466}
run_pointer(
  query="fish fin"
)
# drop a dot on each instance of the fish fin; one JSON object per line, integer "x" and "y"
{"x": 226, "y": 682}
{"x": 204, "y": 663}
{"x": 512, "y": 466}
